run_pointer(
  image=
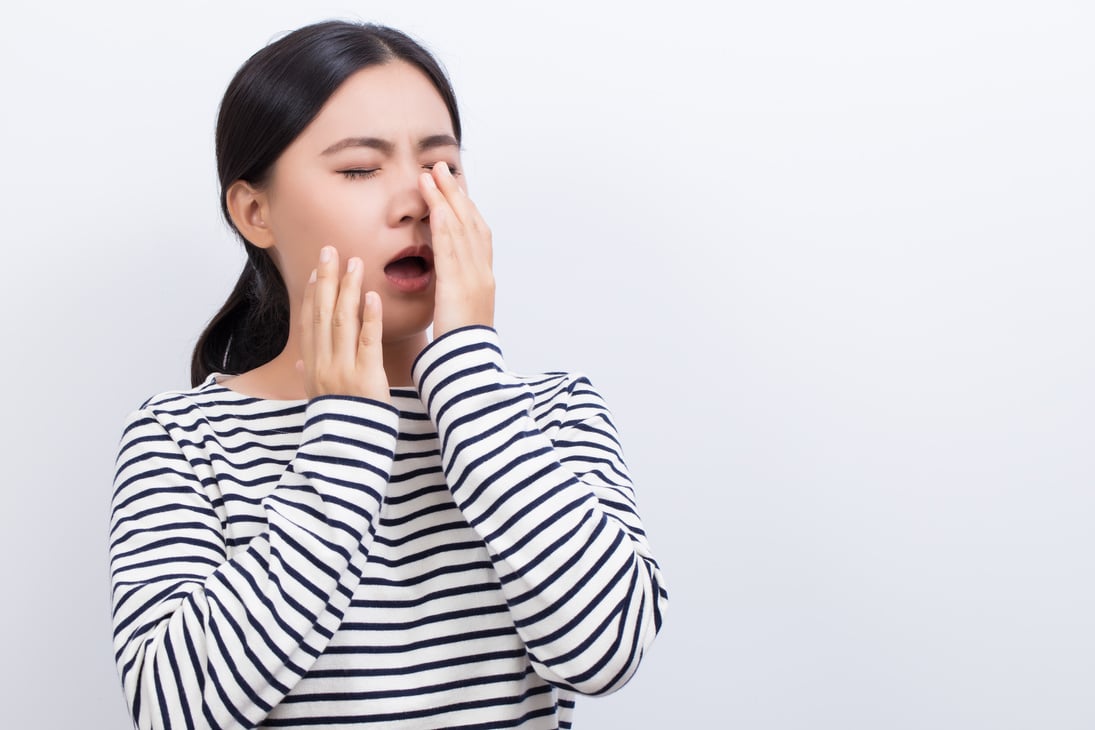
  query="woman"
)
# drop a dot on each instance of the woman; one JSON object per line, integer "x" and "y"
{"x": 342, "y": 521}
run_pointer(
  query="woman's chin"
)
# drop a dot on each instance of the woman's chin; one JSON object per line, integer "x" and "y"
{"x": 406, "y": 326}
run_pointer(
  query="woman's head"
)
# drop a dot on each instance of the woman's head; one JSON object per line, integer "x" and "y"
{"x": 287, "y": 193}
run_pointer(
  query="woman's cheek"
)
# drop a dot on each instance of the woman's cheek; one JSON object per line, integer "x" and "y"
{"x": 349, "y": 213}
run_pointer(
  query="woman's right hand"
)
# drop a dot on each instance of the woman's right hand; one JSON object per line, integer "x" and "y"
{"x": 341, "y": 340}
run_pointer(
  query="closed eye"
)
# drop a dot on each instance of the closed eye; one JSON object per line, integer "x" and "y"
{"x": 359, "y": 173}
{"x": 452, "y": 168}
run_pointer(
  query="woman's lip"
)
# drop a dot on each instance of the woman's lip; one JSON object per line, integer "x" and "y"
{"x": 413, "y": 284}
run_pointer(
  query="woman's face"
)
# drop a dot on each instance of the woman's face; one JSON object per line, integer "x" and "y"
{"x": 350, "y": 180}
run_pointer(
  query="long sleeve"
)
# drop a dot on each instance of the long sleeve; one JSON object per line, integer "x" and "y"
{"x": 537, "y": 470}
{"x": 213, "y": 634}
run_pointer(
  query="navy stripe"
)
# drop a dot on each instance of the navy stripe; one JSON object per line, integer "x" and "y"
{"x": 480, "y": 610}
{"x": 176, "y": 674}
{"x": 430, "y": 488}
{"x": 427, "y": 553}
{"x": 402, "y": 669}
{"x": 429, "y": 575}
{"x": 360, "y": 695}
{"x": 428, "y": 598}
{"x": 411, "y": 714}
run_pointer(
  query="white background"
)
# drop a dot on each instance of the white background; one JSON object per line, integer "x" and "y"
{"x": 832, "y": 264}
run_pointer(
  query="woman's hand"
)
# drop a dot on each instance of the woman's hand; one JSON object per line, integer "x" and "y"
{"x": 340, "y": 339}
{"x": 462, "y": 258}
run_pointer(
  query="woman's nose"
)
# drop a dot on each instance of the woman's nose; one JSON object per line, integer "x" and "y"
{"x": 408, "y": 205}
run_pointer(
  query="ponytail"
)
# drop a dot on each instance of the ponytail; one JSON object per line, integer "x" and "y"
{"x": 251, "y": 328}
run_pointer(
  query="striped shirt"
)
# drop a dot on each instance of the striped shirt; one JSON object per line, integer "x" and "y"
{"x": 469, "y": 556}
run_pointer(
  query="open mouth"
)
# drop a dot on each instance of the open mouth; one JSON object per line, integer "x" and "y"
{"x": 408, "y": 267}
{"x": 411, "y": 269}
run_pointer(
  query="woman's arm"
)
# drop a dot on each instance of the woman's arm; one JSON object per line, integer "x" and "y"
{"x": 557, "y": 514}
{"x": 206, "y": 640}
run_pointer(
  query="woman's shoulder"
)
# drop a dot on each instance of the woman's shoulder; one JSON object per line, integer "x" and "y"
{"x": 172, "y": 398}
{"x": 210, "y": 400}
{"x": 207, "y": 394}
{"x": 157, "y": 417}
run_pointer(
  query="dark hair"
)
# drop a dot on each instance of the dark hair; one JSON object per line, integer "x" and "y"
{"x": 271, "y": 99}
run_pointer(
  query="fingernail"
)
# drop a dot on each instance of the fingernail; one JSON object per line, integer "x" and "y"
{"x": 370, "y": 298}
{"x": 429, "y": 179}
{"x": 312, "y": 278}
{"x": 325, "y": 254}
{"x": 444, "y": 168}
{"x": 352, "y": 266}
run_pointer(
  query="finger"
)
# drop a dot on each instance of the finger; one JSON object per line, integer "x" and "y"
{"x": 307, "y": 327}
{"x": 370, "y": 350}
{"x": 447, "y": 183}
{"x": 444, "y": 226}
{"x": 472, "y": 224}
{"x": 323, "y": 307}
{"x": 440, "y": 210}
{"x": 346, "y": 321}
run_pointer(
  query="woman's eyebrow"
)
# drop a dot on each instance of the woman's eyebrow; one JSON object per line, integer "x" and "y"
{"x": 382, "y": 145}
{"x": 375, "y": 143}
{"x": 437, "y": 140}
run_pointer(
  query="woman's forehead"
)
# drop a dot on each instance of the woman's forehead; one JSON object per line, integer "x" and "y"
{"x": 395, "y": 102}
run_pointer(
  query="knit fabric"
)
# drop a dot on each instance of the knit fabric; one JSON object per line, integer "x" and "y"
{"x": 469, "y": 556}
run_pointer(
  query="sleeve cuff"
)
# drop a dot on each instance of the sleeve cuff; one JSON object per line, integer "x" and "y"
{"x": 457, "y": 353}
{"x": 362, "y": 422}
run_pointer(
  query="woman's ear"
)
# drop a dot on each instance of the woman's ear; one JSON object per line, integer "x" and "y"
{"x": 249, "y": 210}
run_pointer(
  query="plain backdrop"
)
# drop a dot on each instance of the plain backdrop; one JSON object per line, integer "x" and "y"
{"x": 831, "y": 264}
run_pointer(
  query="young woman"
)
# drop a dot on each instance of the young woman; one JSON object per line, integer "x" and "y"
{"x": 342, "y": 522}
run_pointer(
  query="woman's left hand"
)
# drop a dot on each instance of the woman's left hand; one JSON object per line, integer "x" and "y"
{"x": 462, "y": 257}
